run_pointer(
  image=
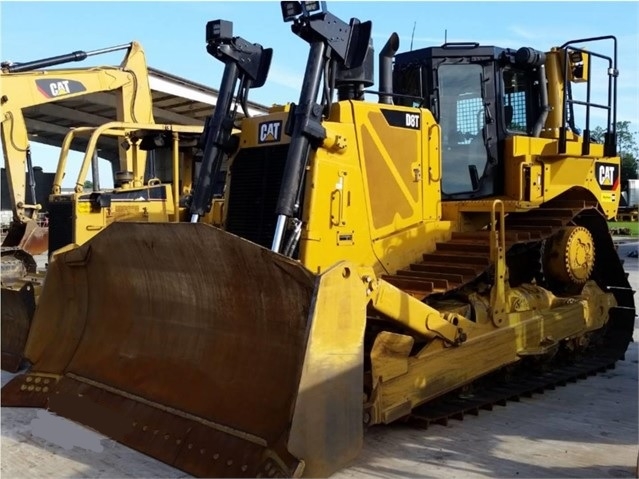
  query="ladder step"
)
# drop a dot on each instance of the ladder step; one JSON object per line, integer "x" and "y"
{"x": 476, "y": 247}
{"x": 409, "y": 283}
{"x": 556, "y": 212}
{"x": 467, "y": 258}
{"x": 484, "y": 235}
{"x": 453, "y": 278}
{"x": 438, "y": 283}
{"x": 533, "y": 221}
{"x": 448, "y": 268}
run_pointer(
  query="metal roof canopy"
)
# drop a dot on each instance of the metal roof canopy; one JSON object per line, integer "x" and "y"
{"x": 175, "y": 100}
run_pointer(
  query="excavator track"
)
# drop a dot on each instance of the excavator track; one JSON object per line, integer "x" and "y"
{"x": 465, "y": 260}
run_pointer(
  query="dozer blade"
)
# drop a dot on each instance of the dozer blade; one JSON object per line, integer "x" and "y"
{"x": 29, "y": 236}
{"x": 201, "y": 349}
{"x": 18, "y": 306}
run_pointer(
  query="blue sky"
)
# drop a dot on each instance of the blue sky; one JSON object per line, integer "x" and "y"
{"x": 172, "y": 34}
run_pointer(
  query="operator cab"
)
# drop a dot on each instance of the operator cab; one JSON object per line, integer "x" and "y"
{"x": 479, "y": 95}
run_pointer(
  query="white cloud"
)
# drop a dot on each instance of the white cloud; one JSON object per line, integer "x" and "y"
{"x": 285, "y": 77}
{"x": 523, "y": 32}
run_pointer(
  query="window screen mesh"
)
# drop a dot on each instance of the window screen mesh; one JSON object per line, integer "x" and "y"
{"x": 518, "y": 103}
{"x": 469, "y": 116}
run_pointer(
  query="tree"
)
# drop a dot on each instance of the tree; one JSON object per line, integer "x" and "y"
{"x": 88, "y": 185}
{"x": 627, "y": 149}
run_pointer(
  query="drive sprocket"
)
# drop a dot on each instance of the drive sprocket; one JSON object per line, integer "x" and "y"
{"x": 569, "y": 256}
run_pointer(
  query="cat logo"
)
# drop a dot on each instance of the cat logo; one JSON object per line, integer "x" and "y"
{"x": 269, "y": 132}
{"x": 57, "y": 87}
{"x": 607, "y": 175}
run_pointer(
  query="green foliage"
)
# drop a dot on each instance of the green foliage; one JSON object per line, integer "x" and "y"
{"x": 627, "y": 149}
{"x": 88, "y": 185}
{"x": 633, "y": 226}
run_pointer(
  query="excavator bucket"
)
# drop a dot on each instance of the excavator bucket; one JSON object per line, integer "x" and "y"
{"x": 201, "y": 349}
{"x": 28, "y": 236}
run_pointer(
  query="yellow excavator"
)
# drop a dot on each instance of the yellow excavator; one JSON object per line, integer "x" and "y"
{"x": 418, "y": 257}
{"x": 31, "y": 84}
{"x": 155, "y": 189}
{"x": 27, "y": 85}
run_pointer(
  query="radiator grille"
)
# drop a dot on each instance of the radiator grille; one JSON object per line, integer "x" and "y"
{"x": 256, "y": 176}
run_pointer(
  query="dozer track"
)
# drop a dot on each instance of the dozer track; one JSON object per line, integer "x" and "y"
{"x": 465, "y": 260}
{"x": 484, "y": 397}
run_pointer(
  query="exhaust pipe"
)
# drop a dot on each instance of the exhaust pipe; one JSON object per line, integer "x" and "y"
{"x": 386, "y": 69}
{"x": 529, "y": 57}
{"x": 545, "y": 107}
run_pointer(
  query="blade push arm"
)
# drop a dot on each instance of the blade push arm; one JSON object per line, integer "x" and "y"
{"x": 244, "y": 62}
{"x": 330, "y": 39}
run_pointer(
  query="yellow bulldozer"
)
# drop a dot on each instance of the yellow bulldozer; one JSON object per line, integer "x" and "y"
{"x": 415, "y": 257}
{"x": 152, "y": 182}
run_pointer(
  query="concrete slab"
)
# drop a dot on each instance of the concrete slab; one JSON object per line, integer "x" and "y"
{"x": 587, "y": 429}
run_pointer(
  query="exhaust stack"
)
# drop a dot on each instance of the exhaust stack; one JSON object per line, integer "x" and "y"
{"x": 386, "y": 69}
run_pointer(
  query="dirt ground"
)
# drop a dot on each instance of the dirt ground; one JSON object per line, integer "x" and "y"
{"x": 586, "y": 429}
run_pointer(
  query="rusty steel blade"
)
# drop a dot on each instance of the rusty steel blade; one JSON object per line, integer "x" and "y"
{"x": 182, "y": 329}
{"x": 28, "y": 390}
{"x": 18, "y": 306}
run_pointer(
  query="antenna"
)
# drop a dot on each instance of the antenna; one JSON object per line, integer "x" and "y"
{"x": 412, "y": 36}
{"x": 445, "y": 36}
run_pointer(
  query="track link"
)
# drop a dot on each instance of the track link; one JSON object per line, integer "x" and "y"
{"x": 457, "y": 405}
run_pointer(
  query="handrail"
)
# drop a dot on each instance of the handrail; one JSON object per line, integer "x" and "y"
{"x": 438, "y": 127}
{"x": 117, "y": 128}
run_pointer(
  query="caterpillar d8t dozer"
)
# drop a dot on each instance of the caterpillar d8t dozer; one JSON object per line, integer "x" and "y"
{"x": 375, "y": 263}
